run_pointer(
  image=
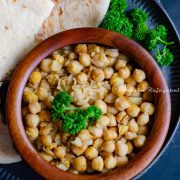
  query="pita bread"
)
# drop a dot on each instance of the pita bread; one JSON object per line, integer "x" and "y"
{"x": 7, "y": 152}
{"x": 20, "y": 21}
{"x": 68, "y": 14}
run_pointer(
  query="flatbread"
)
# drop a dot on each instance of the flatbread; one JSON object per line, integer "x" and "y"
{"x": 68, "y": 14}
{"x": 7, "y": 152}
{"x": 20, "y": 21}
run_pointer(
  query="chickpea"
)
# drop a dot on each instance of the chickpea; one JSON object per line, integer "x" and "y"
{"x": 84, "y": 135}
{"x": 35, "y": 77}
{"x": 143, "y": 130}
{"x": 91, "y": 153}
{"x": 45, "y": 65}
{"x": 29, "y": 96}
{"x": 45, "y": 116}
{"x": 85, "y": 59}
{"x": 124, "y": 72}
{"x": 108, "y": 72}
{"x": 96, "y": 132}
{"x": 100, "y": 60}
{"x": 80, "y": 163}
{"x": 46, "y": 156}
{"x": 48, "y": 101}
{"x": 32, "y": 120}
{"x": 122, "y": 103}
{"x": 147, "y": 108}
{"x": 102, "y": 105}
{"x": 46, "y": 140}
{"x": 122, "y": 129}
{"x": 58, "y": 57}
{"x": 147, "y": 96}
{"x": 78, "y": 150}
{"x": 34, "y": 107}
{"x": 120, "y": 116}
{"x": 142, "y": 86}
{"x": 93, "y": 48}
{"x": 109, "y": 135}
{"x": 81, "y": 48}
{"x": 81, "y": 78}
{"x": 121, "y": 160}
{"x": 120, "y": 64}
{"x": 77, "y": 142}
{"x": 104, "y": 120}
{"x": 112, "y": 120}
{"x": 110, "y": 162}
{"x": 112, "y": 52}
{"x": 136, "y": 93}
{"x": 143, "y": 119}
{"x": 60, "y": 152}
{"x": 111, "y": 61}
{"x": 108, "y": 146}
{"x": 56, "y": 66}
{"x": 98, "y": 143}
{"x": 121, "y": 149}
{"x": 130, "y": 147}
{"x": 133, "y": 126}
{"x": 133, "y": 110}
{"x": 98, "y": 163}
{"x": 130, "y": 135}
{"x": 129, "y": 90}
{"x": 139, "y": 141}
{"x": 72, "y": 56}
{"x": 138, "y": 75}
{"x": 130, "y": 81}
{"x": 135, "y": 100}
{"x": 42, "y": 93}
{"x": 45, "y": 130}
{"x": 115, "y": 79}
{"x": 112, "y": 110}
{"x": 62, "y": 166}
{"x": 32, "y": 133}
{"x": 125, "y": 120}
{"x": 74, "y": 67}
{"x": 110, "y": 98}
{"x": 119, "y": 89}
{"x": 53, "y": 79}
{"x": 65, "y": 136}
{"x": 98, "y": 75}
{"x": 44, "y": 84}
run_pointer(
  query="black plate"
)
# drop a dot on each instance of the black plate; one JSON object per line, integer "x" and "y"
{"x": 157, "y": 15}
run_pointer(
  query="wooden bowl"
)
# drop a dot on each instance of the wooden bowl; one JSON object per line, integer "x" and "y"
{"x": 108, "y": 38}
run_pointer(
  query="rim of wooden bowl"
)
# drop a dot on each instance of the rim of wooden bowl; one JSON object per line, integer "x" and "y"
{"x": 97, "y": 36}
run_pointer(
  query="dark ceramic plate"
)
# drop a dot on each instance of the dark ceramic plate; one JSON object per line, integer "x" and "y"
{"x": 18, "y": 171}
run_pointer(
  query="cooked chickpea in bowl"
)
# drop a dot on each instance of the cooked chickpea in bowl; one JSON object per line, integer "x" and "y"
{"x": 92, "y": 77}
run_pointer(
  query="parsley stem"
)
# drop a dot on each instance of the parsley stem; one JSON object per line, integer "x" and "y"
{"x": 164, "y": 42}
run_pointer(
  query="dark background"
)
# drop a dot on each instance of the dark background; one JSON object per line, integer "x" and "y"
{"x": 168, "y": 166}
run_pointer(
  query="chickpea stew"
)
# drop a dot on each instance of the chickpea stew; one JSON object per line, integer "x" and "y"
{"x": 92, "y": 75}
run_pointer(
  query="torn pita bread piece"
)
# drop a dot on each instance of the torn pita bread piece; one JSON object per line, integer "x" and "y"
{"x": 69, "y": 14}
{"x": 20, "y": 21}
{"x": 7, "y": 152}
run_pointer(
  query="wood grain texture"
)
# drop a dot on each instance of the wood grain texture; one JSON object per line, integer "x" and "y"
{"x": 108, "y": 38}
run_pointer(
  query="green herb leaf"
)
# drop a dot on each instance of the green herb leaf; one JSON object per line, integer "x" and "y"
{"x": 72, "y": 122}
{"x": 164, "y": 57}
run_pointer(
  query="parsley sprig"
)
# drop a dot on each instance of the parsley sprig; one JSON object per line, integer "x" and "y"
{"x": 74, "y": 119}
